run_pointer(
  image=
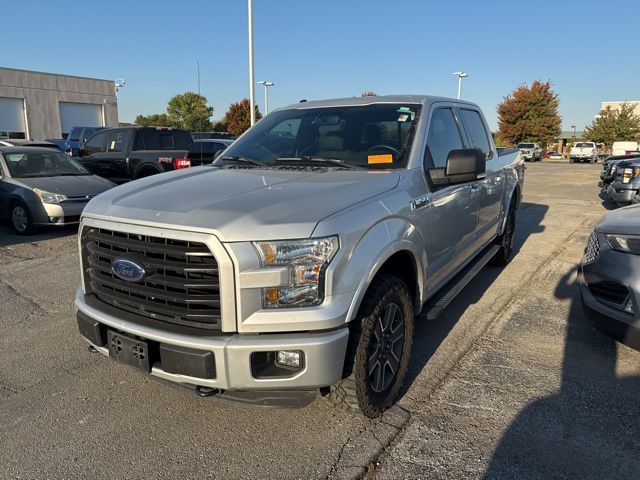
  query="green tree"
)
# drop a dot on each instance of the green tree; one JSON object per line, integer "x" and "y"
{"x": 238, "y": 116}
{"x": 155, "y": 120}
{"x": 529, "y": 114}
{"x": 190, "y": 111}
{"x": 614, "y": 125}
{"x": 220, "y": 125}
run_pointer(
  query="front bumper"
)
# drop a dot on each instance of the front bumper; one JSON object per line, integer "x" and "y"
{"x": 620, "y": 195}
{"x": 324, "y": 352}
{"x": 620, "y": 268}
{"x": 58, "y": 214}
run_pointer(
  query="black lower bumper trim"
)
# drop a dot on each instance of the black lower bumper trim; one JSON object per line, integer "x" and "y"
{"x": 616, "y": 329}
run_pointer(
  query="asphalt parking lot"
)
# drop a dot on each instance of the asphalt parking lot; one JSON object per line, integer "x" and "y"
{"x": 511, "y": 382}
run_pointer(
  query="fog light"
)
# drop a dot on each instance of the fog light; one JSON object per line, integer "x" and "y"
{"x": 627, "y": 308}
{"x": 54, "y": 219}
{"x": 289, "y": 358}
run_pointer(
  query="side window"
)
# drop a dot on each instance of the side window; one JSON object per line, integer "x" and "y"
{"x": 474, "y": 126}
{"x": 138, "y": 143}
{"x": 95, "y": 144}
{"x": 443, "y": 136}
{"x": 116, "y": 141}
{"x": 74, "y": 135}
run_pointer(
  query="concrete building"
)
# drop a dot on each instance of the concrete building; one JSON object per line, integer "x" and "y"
{"x": 38, "y": 105}
{"x": 617, "y": 105}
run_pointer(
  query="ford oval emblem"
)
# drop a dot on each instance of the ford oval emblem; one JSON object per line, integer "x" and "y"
{"x": 128, "y": 270}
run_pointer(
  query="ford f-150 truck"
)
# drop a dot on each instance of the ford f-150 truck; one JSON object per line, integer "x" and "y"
{"x": 300, "y": 258}
{"x": 583, "y": 152}
{"x": 128, "y": 153}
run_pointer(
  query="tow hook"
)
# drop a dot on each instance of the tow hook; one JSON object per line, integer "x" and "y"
{"x": 206, "y": 391}
{"x": 92, "y": 349}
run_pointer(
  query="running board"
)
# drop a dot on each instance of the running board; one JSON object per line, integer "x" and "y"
{"x": 446, "y": 294}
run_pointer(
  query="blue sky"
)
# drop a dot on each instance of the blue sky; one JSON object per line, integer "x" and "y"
{"x": 334, "y": 48}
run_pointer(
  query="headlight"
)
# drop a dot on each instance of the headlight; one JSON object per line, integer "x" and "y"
{"x": 624, "y": 243}
{"x": 307, "y": 261}
{"x": 48, "y": 197}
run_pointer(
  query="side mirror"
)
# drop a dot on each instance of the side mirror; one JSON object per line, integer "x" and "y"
{"x": 465, "y": 165}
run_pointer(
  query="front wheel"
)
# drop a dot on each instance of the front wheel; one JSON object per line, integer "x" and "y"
{"x": 377, "y": 358}
{"x": 21, "y": 219}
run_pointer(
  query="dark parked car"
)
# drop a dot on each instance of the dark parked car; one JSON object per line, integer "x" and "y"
{"x": 129, "y": 153}
{"x": 213, "y": 136}
{"x": 42, "y": 186}
{"x": 211, "y": 147}
{"x": 28, "y": 143}
{"x": 609, "y": 276}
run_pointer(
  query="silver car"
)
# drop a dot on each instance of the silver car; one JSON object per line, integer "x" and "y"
{"x": 41, "y": 186}
{"x": 609, "y": 277}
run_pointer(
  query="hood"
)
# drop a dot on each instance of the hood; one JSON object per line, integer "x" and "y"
{"x": 71, "y": 185}
{"x": 239, "y": 204}
{"x": 625, "y": 221}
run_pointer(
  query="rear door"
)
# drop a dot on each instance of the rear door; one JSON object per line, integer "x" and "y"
{"x": 453, "y": 209}
{"x": 490, "y": 188}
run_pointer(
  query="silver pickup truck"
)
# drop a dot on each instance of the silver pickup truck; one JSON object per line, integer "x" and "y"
{"x": 299, "y": 259}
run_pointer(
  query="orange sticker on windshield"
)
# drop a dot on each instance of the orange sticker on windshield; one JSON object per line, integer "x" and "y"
{"x": 374, "y": 159}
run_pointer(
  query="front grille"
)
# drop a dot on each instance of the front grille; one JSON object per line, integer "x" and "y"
{"x": 610, "y": 292}
{"x": 181, "y": 286}
{"x": 592, "y": 250}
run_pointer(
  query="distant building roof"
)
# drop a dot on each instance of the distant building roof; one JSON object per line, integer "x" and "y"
{"x": 570, "y": 135}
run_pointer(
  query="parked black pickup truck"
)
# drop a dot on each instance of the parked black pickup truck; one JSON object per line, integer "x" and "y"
{"x": 129, "y": 153}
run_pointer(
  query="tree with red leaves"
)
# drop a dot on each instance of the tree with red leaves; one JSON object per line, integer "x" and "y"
{"x": 529, "y": 114}
{"x": 238, "y": 117}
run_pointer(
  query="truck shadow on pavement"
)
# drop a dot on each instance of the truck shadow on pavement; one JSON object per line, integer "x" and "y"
{"x": 589, "y": 429}
{"x": 430, "y": 334}
{"x": 8, "y": 237}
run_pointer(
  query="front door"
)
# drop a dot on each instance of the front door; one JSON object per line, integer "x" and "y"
{"x": 452, "y": 209}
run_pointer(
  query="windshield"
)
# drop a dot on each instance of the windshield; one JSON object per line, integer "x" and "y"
{"x": 584, "y": 145}
{"x": 367, "y": 136}
{"x": 41, "y": 164}
{"x": 525, "y": 145}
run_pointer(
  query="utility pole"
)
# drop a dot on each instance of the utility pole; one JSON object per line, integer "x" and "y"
{"x": 252, "y": 89}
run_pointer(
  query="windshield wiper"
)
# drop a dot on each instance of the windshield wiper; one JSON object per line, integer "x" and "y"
{"x": 237, "y": 158}
{"x": 310, "y": 158}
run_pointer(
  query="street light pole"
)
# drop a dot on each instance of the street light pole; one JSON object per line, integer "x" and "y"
{"x": 252, "y": 90}
{"x": 460, "y": 76}
{"x": 266, "y": 86}
{"x": 574, "y": 131}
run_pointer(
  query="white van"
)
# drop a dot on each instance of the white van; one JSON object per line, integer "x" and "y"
{"x": 621, "y": 148}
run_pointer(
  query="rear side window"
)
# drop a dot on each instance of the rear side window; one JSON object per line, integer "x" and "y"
{"x": 163, "y": 140}
{"x": 474, "y": 126}
{"x": 443, "y": 137}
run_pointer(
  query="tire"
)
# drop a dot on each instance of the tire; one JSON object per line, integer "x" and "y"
{"x": 571, "y": 160}
{"x": 505, "y": 241}
{"x": 370, "y": 391}
{"x": 20, "y": 218}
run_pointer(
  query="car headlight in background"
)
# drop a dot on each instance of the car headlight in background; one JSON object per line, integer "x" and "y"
{"x": 624, "y": 243}
{"x": 48, "y": 197}
{"x": 307, "y": 261}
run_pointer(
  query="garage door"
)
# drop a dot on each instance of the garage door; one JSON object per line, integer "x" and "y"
{"x": 12, "y": 115}
{"x": 79, "y": 115}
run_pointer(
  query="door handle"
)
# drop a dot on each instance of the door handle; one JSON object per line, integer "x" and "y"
{"x": 422, "y": 201}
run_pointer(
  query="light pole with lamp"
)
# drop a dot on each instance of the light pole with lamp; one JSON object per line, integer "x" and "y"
{"x": 266, "y": 86}
{"x": 460, "y": 76}
{"x": 252, "y": 90}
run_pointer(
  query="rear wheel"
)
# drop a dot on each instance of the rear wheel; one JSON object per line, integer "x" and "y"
{"x": 21, "y": 219}
{"x": 379, "y": 348}
{"x": 505, "y": 241}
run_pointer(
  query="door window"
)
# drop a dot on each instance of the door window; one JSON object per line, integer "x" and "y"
{"x": 116, "y": 141}
{"x": 443, "y": 136}
{"x": 476, "y": 133}
{"x": 95, "y": 144}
